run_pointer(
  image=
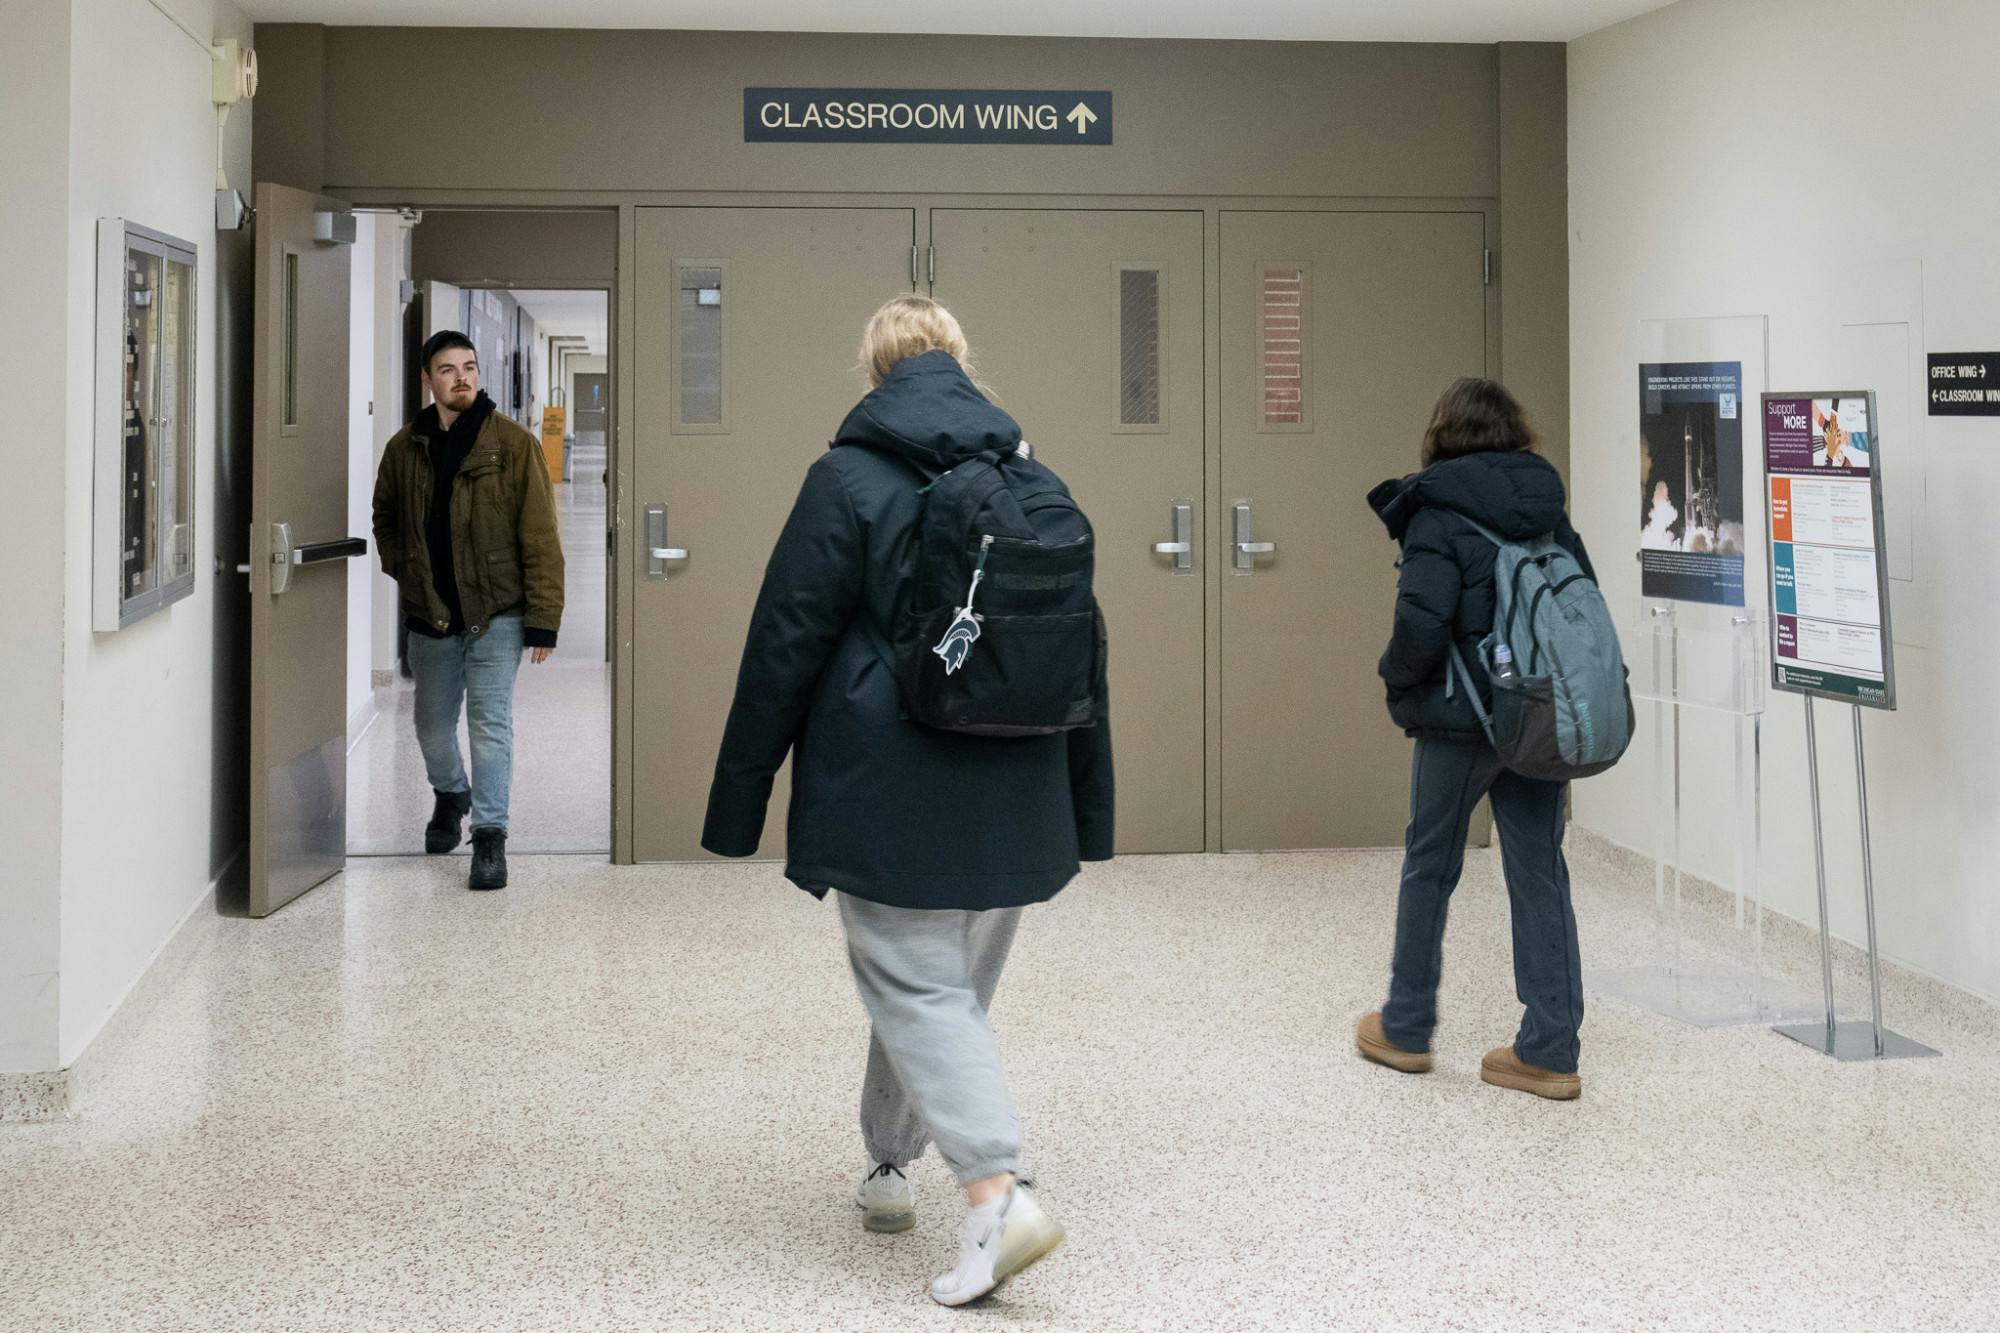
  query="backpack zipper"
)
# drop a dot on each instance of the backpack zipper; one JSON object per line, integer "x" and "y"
{"x": 978, "y": 576}
{"x": 1550, "y": 590}
{"x": 963, "y": 631}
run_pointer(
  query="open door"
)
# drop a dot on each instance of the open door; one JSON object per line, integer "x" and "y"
{"x": 299, "y": 548}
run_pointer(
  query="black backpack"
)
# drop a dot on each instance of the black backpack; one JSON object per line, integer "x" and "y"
{"x": 996, "y": 630}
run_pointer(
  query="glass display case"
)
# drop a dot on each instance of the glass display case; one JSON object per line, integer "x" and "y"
{"x": 145, "y": 423}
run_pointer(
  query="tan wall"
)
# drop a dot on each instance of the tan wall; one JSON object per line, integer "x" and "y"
{"x": 369, "y": 112}
{"x": 619, "y": 111}
{"x": 1534, "y": 241}
{"x": 289, "y": 147}
{"x": 517, "y": 249}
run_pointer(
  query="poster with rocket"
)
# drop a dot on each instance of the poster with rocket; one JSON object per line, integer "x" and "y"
{"x": 1691, "y": 533}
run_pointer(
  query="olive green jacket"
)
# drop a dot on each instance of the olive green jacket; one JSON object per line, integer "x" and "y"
{"x": 505, "y": 542}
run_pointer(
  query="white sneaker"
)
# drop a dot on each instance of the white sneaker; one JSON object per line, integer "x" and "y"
{"x": 1000, "y": 1239}
{"x": 886, "y": 1202}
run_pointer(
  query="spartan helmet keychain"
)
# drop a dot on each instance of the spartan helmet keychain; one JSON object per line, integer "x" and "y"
{"x": 963, "y": 632}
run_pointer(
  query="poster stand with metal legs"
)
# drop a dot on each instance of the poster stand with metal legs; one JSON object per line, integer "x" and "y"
{"x": 1703, "y": 666}
{"x": 1853, "y": 1039}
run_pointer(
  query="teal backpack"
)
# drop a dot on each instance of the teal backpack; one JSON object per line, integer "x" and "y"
{"x": 1565, "y": 711}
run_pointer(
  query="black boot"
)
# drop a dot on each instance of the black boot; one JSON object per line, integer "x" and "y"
{"x": 489, "y": 858}
{"x": 447, "y": 821}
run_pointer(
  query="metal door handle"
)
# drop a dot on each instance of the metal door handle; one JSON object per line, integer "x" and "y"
{"x": 286, "y": 557}
{"x": 1180, "y": 515}
{"x": 1245, "y": 547}
{"x": 658, "y": 553}
{"x": 347, "y": 548}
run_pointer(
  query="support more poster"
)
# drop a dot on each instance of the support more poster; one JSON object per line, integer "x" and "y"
{"x": 1829, "y": 589}
{"x": 1691, "y": 533}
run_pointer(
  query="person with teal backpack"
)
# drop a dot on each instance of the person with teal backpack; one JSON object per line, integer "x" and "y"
{"x": 1504, "y": 667}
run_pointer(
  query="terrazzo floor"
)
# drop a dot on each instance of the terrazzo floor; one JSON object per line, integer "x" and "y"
{"x": 615, "y": 1097}
{"x": 562, "y": 718}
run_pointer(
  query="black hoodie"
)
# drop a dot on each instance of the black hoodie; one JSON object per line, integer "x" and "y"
{"x": 882, "y": 808}
{"x": 1445, "y": 590}
{"x": 448, "y": 451}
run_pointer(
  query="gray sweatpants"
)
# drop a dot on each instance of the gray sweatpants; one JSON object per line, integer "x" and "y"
{"x": 926, "y": 979}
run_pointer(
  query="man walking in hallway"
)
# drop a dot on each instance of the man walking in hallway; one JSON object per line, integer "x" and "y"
{"x": 466, "y": 525}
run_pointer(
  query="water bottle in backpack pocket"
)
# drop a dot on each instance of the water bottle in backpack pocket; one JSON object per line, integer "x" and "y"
{"x": 1561, "y": 706}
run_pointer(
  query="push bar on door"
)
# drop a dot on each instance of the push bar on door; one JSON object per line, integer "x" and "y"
{"x": 286, "y": 557}
{"x": 347, "y": 548}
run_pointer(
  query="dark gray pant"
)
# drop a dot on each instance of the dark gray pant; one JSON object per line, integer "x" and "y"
{"x": 1447, "y": 778}
{"x": 934, "y": 1073}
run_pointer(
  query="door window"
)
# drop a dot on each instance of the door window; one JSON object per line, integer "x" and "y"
{"x": 1141, "y": 303}
{"x": 290, "y": 371}
{"x": 1283, "y": 366}
{"x": 699, "y": 344}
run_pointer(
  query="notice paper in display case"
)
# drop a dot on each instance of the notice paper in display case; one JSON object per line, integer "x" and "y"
{"x": 1829, "y": 583}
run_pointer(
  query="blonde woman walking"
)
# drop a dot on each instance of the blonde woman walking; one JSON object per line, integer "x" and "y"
{"x": 932, "y": 841}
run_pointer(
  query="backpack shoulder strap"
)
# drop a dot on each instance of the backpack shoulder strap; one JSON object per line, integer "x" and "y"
{"x": 1471, "y": 694}
{"x": 876, "y": 639}
{"x": 952, "y": 502}
{"x": 1480, "y": 528}
{"x": 1547, "y": 541}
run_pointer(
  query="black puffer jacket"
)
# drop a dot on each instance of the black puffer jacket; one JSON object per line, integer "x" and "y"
{"x": 1445, "y": 592}
{"x": 883, "y": 808}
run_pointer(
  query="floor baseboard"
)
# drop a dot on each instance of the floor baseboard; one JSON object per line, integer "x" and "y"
{"x": 60, "y": 1094}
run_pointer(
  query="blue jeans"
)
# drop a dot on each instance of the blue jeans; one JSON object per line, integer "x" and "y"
{"x": 478, "y": 675}
{"x": 1447, "y": 779}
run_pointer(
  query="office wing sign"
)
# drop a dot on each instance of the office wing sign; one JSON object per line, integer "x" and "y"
{"x": 919, "y": 115}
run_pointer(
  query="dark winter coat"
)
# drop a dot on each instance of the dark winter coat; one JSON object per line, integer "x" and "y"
{"x": 883, "y": 808}
{"x": 1445, "y": 592}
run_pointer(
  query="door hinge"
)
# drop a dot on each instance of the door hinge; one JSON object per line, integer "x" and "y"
{"x": 913, "y": 268}
{"x": 1486, "y": 267}
{"x": 933, "y": 268}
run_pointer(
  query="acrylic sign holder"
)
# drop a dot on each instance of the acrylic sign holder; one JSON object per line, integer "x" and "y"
{"x": 1707, "y": 970}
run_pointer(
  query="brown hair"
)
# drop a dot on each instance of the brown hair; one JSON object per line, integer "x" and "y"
{"x": 1475, "y": 416}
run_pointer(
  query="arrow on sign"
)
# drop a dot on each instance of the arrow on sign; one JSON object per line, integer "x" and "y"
{"x": 1082, "y": 117}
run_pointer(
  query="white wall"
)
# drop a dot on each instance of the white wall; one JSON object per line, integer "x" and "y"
{"x": 34, "y": 179}
{"x": 137, "y": 704}
{"x": 1827, "y": 163}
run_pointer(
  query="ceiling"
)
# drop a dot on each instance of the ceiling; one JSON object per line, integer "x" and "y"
{"x": 1268, "y": 20}
{"x": 574, "y": 314}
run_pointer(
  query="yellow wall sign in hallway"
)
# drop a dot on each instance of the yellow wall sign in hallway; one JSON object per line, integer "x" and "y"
{"x": 552, "y": 442}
